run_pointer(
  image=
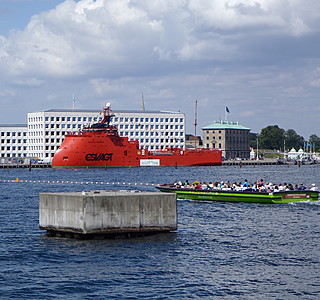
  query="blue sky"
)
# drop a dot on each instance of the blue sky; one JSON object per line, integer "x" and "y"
{"x": 16, "y": 14}
{"x": 261, "y": 58}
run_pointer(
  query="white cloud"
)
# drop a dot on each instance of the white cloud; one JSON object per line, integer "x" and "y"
{"x": 219, "y": 51}
{"x": 78, "y": 37}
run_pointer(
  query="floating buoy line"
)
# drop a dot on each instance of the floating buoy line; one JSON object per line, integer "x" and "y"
{"x": 79, "y": 182}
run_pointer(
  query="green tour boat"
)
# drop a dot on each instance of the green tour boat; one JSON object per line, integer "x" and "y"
{"x": 248, "y": 195}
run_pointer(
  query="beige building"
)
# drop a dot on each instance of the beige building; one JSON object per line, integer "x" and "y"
{"x": 230, "y": 137}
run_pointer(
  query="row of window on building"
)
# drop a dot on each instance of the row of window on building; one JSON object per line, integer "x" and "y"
{"x": 115, "y": 120}
{"x": 13, "y": 133}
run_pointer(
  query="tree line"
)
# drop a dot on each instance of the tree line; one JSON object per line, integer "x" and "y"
{"x": 273, "y": 137}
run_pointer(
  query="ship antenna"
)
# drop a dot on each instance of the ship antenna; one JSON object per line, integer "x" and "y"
{"x": 195, "y": 125}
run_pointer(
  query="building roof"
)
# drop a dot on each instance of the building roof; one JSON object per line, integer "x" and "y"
{"x": 114, "y": 111}
{"x": 13, "y": 125}
{"x": 225, "y": 125}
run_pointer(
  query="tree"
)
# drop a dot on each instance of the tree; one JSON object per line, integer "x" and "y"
{"x": 293, "y": 140}
{"x": 271, "y": 137}
{"x": 314, "y": 140}
{"x": 253, "y": 139}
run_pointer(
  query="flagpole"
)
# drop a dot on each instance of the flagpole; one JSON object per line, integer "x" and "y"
{"x": 195, "y": 124}
{"x": 73, "y": 101}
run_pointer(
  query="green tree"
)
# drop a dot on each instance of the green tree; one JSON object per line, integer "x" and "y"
{"x": 293, "y": 140}
{"x": 314, "y": 140}
{"x": 271, "y": 137}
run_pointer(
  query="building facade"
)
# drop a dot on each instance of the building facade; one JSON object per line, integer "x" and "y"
{"x": 230, "y": 137}
{"x": 153, "y": 129}
{"x": 13, "y": 142}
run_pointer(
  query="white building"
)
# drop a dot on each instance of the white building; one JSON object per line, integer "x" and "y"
{"x": 13, "y": 141}
{"x": 153, "y": 129}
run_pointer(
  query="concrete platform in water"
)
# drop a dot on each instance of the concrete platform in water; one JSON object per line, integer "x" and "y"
{"x": 107, "y": 214}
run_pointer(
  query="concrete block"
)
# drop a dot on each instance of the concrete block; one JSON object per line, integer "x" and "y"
{"x": 107, "y": 212}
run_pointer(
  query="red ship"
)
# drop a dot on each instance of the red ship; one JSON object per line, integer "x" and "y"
{"x": 100, "y": 145}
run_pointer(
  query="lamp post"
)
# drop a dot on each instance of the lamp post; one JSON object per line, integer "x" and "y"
{"x": 257, "y": 149}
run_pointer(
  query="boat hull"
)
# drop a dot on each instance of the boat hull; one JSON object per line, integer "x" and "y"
{"x": 102, "y": 150}
{"x": 242, "y": 196}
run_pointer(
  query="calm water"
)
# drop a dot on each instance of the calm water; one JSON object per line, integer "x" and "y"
{"x": 220, "y": 250}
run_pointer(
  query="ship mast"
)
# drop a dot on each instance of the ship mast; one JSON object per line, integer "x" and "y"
{"x": 107, "y": 115}
{"x": 195, "y": 125}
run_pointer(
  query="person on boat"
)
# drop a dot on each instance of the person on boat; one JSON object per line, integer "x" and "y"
{"x": 226, "y": 186}
{"x": 260, "y": 183}
{"x": 314, "y": 187}
{"x": 198, "y": 185}
{"x": 246, "y": 184}
{"x": 290, "y": 187}
{"x": 301, "y": 187}
{"x": 204, "y": 186}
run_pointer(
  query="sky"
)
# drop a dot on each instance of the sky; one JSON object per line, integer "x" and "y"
{"x": 259, "y": 58}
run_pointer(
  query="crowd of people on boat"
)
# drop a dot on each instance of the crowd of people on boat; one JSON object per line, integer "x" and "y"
{"x": 258, "y": 185}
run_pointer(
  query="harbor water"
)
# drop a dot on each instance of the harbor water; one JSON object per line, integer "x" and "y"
{"x": 220, "y": 250}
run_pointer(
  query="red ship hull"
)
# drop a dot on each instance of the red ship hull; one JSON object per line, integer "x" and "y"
{"x": 104, "y": 149}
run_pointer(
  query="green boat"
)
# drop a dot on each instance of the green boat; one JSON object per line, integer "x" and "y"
{"x": 247, "y": 195}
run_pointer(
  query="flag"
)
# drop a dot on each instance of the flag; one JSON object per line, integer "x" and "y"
{"x": 227, "y": 109}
